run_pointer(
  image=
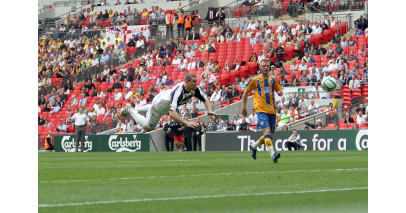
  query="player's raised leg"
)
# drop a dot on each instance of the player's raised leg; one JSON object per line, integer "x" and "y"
{"x": 144, "y": 108}
{"x": 140, "y": 119}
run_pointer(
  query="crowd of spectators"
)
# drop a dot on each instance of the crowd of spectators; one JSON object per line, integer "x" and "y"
{"x": 79, "y": 53}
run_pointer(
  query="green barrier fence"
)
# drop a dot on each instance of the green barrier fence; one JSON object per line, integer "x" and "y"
{"x": 104, "y": 143}
{"x": 312, "y": 140}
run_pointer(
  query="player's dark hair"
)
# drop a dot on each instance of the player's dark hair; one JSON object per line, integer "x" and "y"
{"x": 189, "y": 76}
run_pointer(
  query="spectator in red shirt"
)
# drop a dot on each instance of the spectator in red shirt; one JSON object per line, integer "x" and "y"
{"x": 71, "y": 128}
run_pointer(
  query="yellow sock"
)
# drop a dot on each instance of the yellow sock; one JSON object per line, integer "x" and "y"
{"x": 268, "y": 142}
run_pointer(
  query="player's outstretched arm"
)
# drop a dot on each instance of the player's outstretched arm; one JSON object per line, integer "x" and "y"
{"x": 244, "y": 103}
{"x": 207, "y": 104}
{"x": 179, "y": 119}
{"x": 278, "y": 88}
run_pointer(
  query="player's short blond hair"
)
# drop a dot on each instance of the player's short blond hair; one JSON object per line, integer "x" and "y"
{"x": 267, "y": 60}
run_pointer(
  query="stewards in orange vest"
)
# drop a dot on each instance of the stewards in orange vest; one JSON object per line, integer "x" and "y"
{"x": 48, "y": 142}
{"x": 188, "y": 23}
{"x": 181, "y": 23}
{"x": 196, "y": 20}
{"x": 331, "y": 110}
{"x": 170, "y": 20}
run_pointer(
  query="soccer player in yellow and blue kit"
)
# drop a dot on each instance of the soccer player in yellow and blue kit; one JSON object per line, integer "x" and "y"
{"x": 264, "y": 87}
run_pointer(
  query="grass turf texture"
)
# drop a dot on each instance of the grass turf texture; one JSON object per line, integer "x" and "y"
{"x": 203, "y": 182}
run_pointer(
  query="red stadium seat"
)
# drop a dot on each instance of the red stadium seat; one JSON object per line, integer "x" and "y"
{"x": 364, "y": 126}
{"x": 344, "y": 126}
{"x": 252, "y": 66}
{"x": 331, "y": 126}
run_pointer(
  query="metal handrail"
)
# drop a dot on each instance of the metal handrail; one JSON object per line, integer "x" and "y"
{"x": 339, "y": 111}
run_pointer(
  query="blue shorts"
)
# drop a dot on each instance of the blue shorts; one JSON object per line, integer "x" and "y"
{"x": 266, "y": 120}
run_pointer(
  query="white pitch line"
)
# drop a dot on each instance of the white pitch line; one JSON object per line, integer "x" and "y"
{"x": 197, "y": 197}
{"x": 189, "y": 160}
{"x": 129, "y": 161}
{"x": 199, "y": 175}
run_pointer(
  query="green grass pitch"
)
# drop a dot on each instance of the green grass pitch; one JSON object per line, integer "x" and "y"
{"x": 330, "y": 181}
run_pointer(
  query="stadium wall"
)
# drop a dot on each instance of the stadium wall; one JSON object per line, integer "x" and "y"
{"x": 203, "y": 6}
{"x": 50, "y": 13}
{"x": 158, "y": 138}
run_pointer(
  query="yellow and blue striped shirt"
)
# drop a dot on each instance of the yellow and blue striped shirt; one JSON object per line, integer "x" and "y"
{"x": 264, "y": 99}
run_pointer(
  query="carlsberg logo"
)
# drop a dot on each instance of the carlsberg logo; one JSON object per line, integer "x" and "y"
{"x": 68, "y": 144}
{"x": 124, "y": 145}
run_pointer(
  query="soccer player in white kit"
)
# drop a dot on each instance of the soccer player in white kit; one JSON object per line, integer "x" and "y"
{"x": 168, "y": 101}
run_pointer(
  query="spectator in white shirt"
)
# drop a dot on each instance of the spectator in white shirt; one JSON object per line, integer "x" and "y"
{"x": 121, "y": 127}
{"x": 128, "y": 93}
{"x": 302, "y": 66}
{"x": 140, "y": 43}
{"x": 176, "y": 61}
{"x": 189, "y": 54}
{"x": 104, "y": 58}
{"x": 261, "y": 56}
{"x": 127, "y": 84}
{"x": 332, "y": 65}
{"x": 253, "y": 118}
{"x": 149, "y": 62}
{"x": 182, "y": 66}
{"x": 94, "y": 62}
{"x": 142, "y": 101}
{"x": 106, "y": 70}
{"x": 61, "y": 127}
{"x": 360, "y": 117}
{"x": 314, "y": 71}
{"x": 252, "y": 25}
{"x": 317, "y": 29}
{"x": 216, "y": 96}
{"x": 117, "y": 95}
{"x": 313, "y": 108}
{"x": 129, "y": 125}
{"x": 293, "y": 142}
{"x": 281, "y": 104}
{"x": 300, "y": 24}
{"x": 280, "y": 28}
{"x": 303, "y": 103}
{"x": 253, "y": 39}
{"x": 354, "y": 83}
{"x": 292, "y": 30}
{"x": 144, "y": 76}
{"x": 100, "y": 110}
{"x": 281, "y": 37}
{"x": 191, "y": 65}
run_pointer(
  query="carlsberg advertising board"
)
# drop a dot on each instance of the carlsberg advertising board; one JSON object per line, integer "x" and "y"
{"x": 311, "y": 140}
{"x": 104, "y": 143}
